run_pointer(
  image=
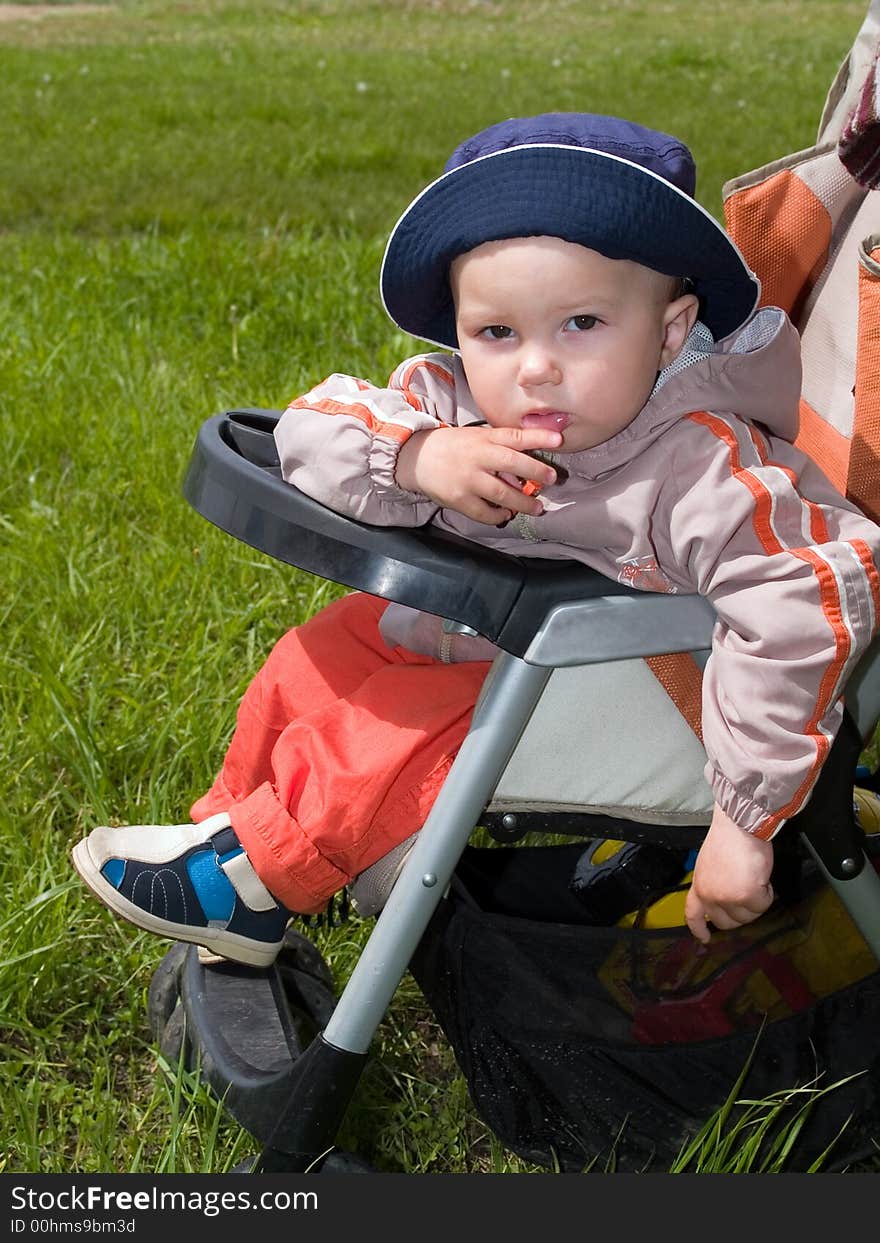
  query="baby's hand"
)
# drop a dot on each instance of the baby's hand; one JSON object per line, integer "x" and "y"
{"x": 478, "y": 470}
{"x": 731, "y": 884}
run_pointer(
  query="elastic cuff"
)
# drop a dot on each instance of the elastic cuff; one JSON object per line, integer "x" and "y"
{"x": 759, "y": 821}
{"x": 382, "y": 466}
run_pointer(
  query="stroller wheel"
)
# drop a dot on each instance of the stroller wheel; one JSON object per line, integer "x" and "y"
{"x": 165, "y": 990}
{"x": 306, "y": 980}
{"x": 243, "y": 1028}
{"x": 338, "y": 1161}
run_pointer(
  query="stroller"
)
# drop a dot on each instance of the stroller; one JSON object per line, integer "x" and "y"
{"x": 579, "y": 1031}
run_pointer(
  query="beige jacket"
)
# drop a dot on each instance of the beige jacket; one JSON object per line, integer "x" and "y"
{"x": 703, "y": 492}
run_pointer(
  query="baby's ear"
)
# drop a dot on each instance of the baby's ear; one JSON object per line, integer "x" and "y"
{"x": 679, "y": 318}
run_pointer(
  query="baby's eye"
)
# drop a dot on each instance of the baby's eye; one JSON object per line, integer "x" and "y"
{"x": 497, "y": 332}
{"x": 581, "y": 323}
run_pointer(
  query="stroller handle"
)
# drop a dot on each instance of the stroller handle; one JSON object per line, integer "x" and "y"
{"x": 549, "y": 612}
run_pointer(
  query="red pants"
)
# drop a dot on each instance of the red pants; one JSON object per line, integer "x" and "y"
{"x": 340, "y": 748}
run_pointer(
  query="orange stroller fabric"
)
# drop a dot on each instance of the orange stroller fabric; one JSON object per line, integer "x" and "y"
{"x": 808, "y": 227}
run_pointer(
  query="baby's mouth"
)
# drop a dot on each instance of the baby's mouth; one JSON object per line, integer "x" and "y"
{"x": 553, "y": 420}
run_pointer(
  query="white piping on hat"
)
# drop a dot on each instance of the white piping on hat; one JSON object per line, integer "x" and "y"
{"x": 555, "y": 146}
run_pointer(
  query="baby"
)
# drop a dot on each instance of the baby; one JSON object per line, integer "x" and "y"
{"x": 605, "y": 391}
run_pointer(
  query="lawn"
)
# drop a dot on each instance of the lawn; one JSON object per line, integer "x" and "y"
{"x": 193, "y": 204}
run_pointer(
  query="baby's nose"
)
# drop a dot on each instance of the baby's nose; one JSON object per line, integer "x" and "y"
{"x": 538, "y": 366}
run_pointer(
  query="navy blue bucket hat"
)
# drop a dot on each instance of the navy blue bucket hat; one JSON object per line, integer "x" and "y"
{"x": 605, "y": 183}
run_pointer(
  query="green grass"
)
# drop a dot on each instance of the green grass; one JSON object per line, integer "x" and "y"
{"x": 193, "y": 203}
{"x": 258, "y": 114}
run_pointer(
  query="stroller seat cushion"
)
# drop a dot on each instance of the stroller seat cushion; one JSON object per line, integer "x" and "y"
{"x": 638, "y": 757}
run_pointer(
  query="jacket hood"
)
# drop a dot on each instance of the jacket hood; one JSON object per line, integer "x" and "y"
{"x": 754, "y": 373}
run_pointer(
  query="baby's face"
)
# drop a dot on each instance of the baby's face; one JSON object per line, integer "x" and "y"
{"x": 554, "y": 335}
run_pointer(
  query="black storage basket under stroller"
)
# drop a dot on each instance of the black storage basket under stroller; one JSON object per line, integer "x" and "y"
{"x": 610, "y": 1048}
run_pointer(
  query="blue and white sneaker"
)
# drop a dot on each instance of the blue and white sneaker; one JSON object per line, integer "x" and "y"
{"x": 190, "y": 882}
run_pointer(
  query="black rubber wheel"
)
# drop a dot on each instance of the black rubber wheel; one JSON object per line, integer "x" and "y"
{"x": 336, "y": 1162}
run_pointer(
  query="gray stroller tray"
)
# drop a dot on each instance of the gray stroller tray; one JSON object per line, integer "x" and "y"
{"x": 530, "y": 607}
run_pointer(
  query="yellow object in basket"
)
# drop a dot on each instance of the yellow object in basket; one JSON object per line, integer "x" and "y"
{"x": 666, "y": 912}
{"x": 606, "y": 850}
{"x": 866, "y": 805}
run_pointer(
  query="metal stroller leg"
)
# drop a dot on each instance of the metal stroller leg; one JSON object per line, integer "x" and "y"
{"x": 829, "y": 828}
{"x": 331, "y": 1066}
{"x": 860, "y": 894}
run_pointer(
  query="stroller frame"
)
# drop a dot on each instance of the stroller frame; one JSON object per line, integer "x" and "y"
{"x": 542, "y": 615}
{"x": 290, "y": 1082}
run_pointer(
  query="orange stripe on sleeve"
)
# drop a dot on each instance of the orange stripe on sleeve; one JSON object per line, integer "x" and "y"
{"x": 410, "y": 398}
{"x": 818, "y": 525}
{"x": 830, "y": 598}
{"x": 771, "y": 824}
{"x": 435, "y": 369}
{"x": 863, "y": 552}
{"x": 327, "y": 405}
{"x": 831, "y": 607}
{"x": 762, "y": 498}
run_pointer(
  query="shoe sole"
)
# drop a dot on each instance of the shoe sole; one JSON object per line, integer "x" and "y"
{"x": 230, "y": 945}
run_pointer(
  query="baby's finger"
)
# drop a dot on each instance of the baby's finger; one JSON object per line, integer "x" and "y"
{"x": 485, "y": 512}
{"x": 736, "y": 914}
{"x": 751, "y": 907}
{"x": 756, "y": 906}
{"x": 699, "y": 927}
{"x": 526, "y": 438}
{"x": 521, "y": 466}
{"x": 724, "y": 920}
{"x": 507, "y": 490}
{"x": 763, "y": 899}
{"x": 696, "y": 918}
